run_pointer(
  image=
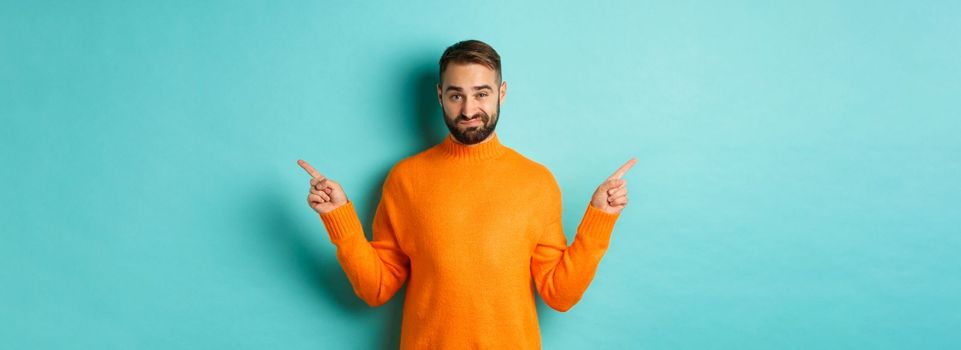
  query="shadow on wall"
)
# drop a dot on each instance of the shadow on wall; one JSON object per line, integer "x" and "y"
{"x": 312, "y": 257}
{"x": 419, "y": 84}
{"x": 308, "y": 253}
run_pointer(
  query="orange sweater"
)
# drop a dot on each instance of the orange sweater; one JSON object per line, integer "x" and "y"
{"x": 471, "y": 226}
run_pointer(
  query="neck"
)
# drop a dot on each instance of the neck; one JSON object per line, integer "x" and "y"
{"x": 490, "y": 148}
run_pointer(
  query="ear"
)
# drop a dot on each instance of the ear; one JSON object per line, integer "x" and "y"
{"x": 503, "y": 91}
{"x": 440, "y": 96}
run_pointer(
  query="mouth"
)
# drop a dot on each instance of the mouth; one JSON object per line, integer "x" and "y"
{"x": 472, "y": 122}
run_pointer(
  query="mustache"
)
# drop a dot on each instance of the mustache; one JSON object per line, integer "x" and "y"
{"x": 483, "y": 116}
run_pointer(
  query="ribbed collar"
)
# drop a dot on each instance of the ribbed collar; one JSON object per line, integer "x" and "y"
{"x": 490, "y": 149}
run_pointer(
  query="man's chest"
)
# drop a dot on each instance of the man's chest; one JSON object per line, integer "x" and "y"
{"x": 471, "y": 220}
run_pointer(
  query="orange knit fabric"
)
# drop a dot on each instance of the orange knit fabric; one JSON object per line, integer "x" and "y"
{"x": 471, "y": 227}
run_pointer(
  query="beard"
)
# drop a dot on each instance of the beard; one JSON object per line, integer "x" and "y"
{"x": 473, "y": 134}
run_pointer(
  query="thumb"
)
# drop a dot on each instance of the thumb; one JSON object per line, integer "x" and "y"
{"x": 334, "y": 184}
{"x": 336, "y": 191}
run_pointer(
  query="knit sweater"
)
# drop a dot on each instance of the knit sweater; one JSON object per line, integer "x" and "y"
{"x": 471, "y": 227}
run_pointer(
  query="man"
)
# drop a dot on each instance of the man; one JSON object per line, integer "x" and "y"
{"x": 471, "y": 222}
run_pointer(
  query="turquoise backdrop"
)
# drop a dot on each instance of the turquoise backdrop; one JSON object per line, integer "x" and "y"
{"x": 797, "y": 184}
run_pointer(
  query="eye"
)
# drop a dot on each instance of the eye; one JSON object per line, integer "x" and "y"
{"x": 455, "y": 97}
{"x": 483, "y": 94}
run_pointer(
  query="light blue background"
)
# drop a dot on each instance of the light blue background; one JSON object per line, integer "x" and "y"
{"x": 797, "y": 183}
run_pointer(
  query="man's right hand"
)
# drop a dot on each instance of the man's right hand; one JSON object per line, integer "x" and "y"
{"x": 325, "y": 194}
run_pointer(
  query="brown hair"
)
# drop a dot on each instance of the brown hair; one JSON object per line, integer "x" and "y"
{"x": 471, "y": 51}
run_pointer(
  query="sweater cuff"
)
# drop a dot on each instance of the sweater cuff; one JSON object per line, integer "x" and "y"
{"x": 596, "y": 226}
{"x": 342, "y": 222}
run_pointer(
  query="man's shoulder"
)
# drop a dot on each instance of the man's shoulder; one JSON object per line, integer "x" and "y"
{"x": 401, "y": 167}
{"x": 538, "y": 171}
{"x": 408, "y": 166}
{"x": 537, "y": 176}
{"x": 411, "y": 162}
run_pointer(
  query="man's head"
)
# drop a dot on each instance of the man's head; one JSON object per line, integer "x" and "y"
{"x": 470, "y": 90}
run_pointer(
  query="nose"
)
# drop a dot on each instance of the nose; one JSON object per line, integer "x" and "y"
{"x": 469, "y": 108}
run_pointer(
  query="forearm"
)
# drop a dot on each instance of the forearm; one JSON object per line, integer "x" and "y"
{"x": 372, "y": 279}
{"x": 566, "y": 276}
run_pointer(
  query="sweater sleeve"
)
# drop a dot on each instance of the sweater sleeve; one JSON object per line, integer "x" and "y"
{"x": 562, "y": 273}
{"x": 376, "y": 269}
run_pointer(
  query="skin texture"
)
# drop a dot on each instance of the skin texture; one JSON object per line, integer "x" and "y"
{"x": 470, "y": 97}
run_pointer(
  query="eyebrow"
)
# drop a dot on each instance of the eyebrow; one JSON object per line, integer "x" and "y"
{"x": 479, "y": 87}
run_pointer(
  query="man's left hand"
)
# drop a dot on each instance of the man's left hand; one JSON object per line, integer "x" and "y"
{"x": 611, "y": 195}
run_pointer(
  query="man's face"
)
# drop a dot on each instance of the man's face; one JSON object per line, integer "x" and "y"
{"x": 471, "y": 99}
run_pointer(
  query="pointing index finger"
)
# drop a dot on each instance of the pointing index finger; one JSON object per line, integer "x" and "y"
{"x": 623, "y": 169}
{"x": 310, "y": 170}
